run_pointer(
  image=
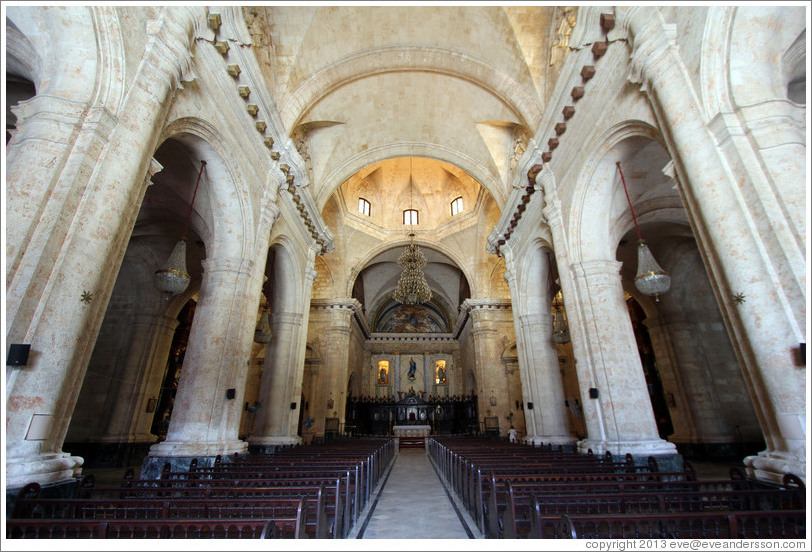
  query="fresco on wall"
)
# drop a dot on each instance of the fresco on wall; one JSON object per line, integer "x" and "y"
{"x": 411, "y": 319}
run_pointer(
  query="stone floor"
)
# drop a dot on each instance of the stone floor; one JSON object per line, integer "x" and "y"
{"x": 414, "y": 503}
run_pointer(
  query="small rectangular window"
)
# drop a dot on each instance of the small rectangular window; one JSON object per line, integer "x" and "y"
{"x": 456, "y": 206}
{"x": 410, "y": 216}
{"x": 363, "y": 206}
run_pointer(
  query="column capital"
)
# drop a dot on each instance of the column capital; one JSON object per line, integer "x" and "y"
{"x": 269, "y": 214}
{"x": 153, "y": 169}
{"x": 595, "y": 272}
{"x": 236, "y": 266}
{"x": 289, "y": 318}
{"x": 535, "y": 319}
{"x": 169, "y": 44}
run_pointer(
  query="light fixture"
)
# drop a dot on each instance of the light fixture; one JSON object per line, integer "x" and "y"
{"x": 650, "y": 279}
{"x": 412, "y": 288}
{"x": 561, "y": 332}
{"x": 262, "y": 333}
{"x": 172, "y": 277}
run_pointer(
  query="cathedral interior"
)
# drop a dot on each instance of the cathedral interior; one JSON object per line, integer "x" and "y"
{"x": 232, "y": 228}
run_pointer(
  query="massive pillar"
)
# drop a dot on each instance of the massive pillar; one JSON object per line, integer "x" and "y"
{"x": 614, "y": 394}
{"x": 545, "y": 389}
{"x": 130, "y": 421}
{"x": 490, "y": 321}
{"x": 277, "y": 423}
{"x": 58, "y": 294}
{"x": 756, "y": 286}
{"x": 334, "y": 318}
{"x": 677, "y": 398}
{"x": 542, "y": 386}
{"x": 208, "y": 405}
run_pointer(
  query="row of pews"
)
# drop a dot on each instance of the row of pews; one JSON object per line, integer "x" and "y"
{"x": 521, "y": 491}
{"x": 297, "y": 492}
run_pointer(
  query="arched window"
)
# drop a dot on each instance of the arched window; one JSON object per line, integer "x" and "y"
{"x": 363, "y": 206}
{"x": 410, "y": 216}
{"x": 456, "y": 206}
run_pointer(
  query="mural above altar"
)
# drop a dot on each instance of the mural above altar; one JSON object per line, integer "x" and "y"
{"x": 399, "y": 318}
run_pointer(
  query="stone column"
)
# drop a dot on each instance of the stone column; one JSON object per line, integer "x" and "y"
{"x": 395, "y": 373}
{"x": 281, "y": 387}
{"x": 336, "y": 346}
{"x": 57, "y": 296}
{"x": 486, "y": 318}
{"x": 541, "y": 379}
{"x": 545, "y": 386}
{"x": 682, "y": 417}
{"x": 428, "y": 372}
{"x": 764, "y": 326}
{"x": 206, "y": 416}
{"x": 141, "y": 378}
{"x": 620, "y": 419}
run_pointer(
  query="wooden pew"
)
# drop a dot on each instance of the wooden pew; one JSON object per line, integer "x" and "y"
{"x": 145, "y": 529}
{"x": 770, "y": 524}
{"x": 289, "y": 514}
{"x": 517, "y": 516}
{"x": 347, "y": 499}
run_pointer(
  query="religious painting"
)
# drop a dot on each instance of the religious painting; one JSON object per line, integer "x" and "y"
{"x": 439, "y": 373}
{"x": 398, "y": 318}
{"x": 383, "y": 372}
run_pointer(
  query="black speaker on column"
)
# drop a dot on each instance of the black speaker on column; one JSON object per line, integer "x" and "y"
{"x": 18, "y": 354}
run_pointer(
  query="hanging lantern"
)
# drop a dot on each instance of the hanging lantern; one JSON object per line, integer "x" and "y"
{"x": 172, "y": 277}
{"x": 263, "y": 332}
{"x": 561, "y": 332}
{"x": 650, "y": 279}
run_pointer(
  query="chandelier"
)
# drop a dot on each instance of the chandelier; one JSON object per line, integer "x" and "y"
{"x": 561, "y": 332}
{"x": 650, "y": 279}
{"x": 172, "y": 277}
{"x": 263, "y": 333}
{"x": 412, "y": 288}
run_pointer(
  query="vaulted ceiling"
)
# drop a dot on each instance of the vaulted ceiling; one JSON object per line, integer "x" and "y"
{"x": 408, "y": 105}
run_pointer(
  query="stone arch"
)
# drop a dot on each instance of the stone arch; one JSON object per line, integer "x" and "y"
{"x": 286, "y": 282}
{"x": 470, "y": 383}
{"x": 90, "y": 64}
{"x": 398, "y": 58}
{"x": 478, "y": 171}
{"x": 535, "y": 267}
{"x": 400, "y": 243}
{"x": 759, "y": 37}
{"x": 222, "y": 214}
{"x": 599, "y": 185}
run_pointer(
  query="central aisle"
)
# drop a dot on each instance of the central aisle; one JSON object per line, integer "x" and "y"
{"x": 413, "y": 504}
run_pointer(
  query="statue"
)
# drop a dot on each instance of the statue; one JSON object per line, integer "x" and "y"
{"x": 440, "y": 375}
{"x": 412, "y": 369}
{"x": 382, "y": 376}
{"x": 562, "y": 41}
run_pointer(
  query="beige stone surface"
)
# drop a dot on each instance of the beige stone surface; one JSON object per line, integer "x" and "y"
{"x": 115, "y": 108}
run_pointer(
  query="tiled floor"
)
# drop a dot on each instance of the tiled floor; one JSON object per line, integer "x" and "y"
{"x": 413, "y": 504}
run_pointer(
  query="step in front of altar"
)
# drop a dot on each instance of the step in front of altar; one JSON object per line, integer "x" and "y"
{"x": 411, "y": 442}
